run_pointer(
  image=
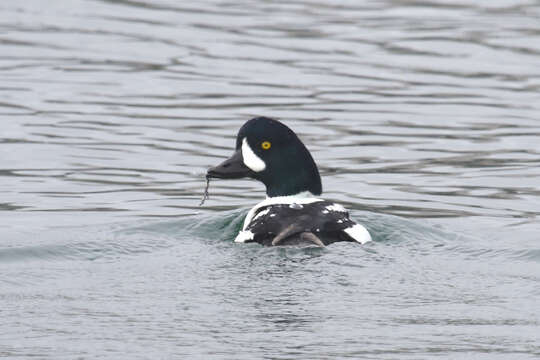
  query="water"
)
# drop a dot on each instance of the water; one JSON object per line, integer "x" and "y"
{"x": 423, "y": 118}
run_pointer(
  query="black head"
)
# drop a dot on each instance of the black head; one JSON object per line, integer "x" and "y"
{"x": 268, "y": 151}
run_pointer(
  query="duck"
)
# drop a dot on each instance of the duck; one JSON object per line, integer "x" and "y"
{"x": 292, "y": 213}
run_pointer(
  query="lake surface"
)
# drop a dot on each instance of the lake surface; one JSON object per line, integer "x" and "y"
{"x": 424, "y": 118}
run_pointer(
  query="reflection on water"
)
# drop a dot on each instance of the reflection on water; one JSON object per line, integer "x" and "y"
{"x": 422, "y": 116}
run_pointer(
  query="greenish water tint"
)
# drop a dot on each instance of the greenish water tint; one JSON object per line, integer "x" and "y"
{"x": 422, "y": 117}
{"x": 184, "y": 281}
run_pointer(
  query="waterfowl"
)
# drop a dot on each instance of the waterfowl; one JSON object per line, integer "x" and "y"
{"x": 270, "y": 152}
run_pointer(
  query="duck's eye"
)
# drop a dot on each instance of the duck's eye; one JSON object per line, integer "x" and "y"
{"x": 266, "y": 145}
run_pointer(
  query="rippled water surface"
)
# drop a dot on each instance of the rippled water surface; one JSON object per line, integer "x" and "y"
{"x": 424, "y": 118}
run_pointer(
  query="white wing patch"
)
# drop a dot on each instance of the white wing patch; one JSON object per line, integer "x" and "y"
{"x": 262, "y": 213}
{"x": 244, "y": 236}
{"x": 336, "y": 207}
{"x": 251, "y": 160}
{"x": 358, "y": 233}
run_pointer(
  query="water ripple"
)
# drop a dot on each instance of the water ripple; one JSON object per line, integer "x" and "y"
{"x": 422, "y": 116}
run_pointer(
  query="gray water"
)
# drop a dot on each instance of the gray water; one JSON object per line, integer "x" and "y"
{"x": 424, "y": 118}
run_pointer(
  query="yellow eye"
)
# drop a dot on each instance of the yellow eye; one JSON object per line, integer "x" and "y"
{"x": 266, "y": 145}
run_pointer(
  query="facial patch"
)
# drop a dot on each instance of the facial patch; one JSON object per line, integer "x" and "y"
{"x": 251, "y": 160}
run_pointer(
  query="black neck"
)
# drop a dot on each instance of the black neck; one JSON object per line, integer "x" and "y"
{"x": 287, "y": 178}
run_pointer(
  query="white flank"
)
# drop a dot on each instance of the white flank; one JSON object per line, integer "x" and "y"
{"x": 358, "y": 233}
{"x": 302, "y": 198}
{"x": 336, "y": 207}
{"x": 251, "y": 160}
{"x": 243, "y": 236}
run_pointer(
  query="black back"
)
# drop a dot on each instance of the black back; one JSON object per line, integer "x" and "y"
{"x": 314, "y": 217}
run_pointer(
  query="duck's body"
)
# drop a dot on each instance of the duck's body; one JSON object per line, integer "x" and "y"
{"x": 288, "y": 220}
{"x": 270, "y": 152}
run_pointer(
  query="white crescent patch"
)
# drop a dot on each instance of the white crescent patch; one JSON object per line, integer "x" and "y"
{"x": 251, "y": 160}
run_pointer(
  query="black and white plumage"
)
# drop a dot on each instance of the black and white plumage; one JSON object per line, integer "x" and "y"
{"x": 268, "y": 151}
{"x": 311, "y": 221}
